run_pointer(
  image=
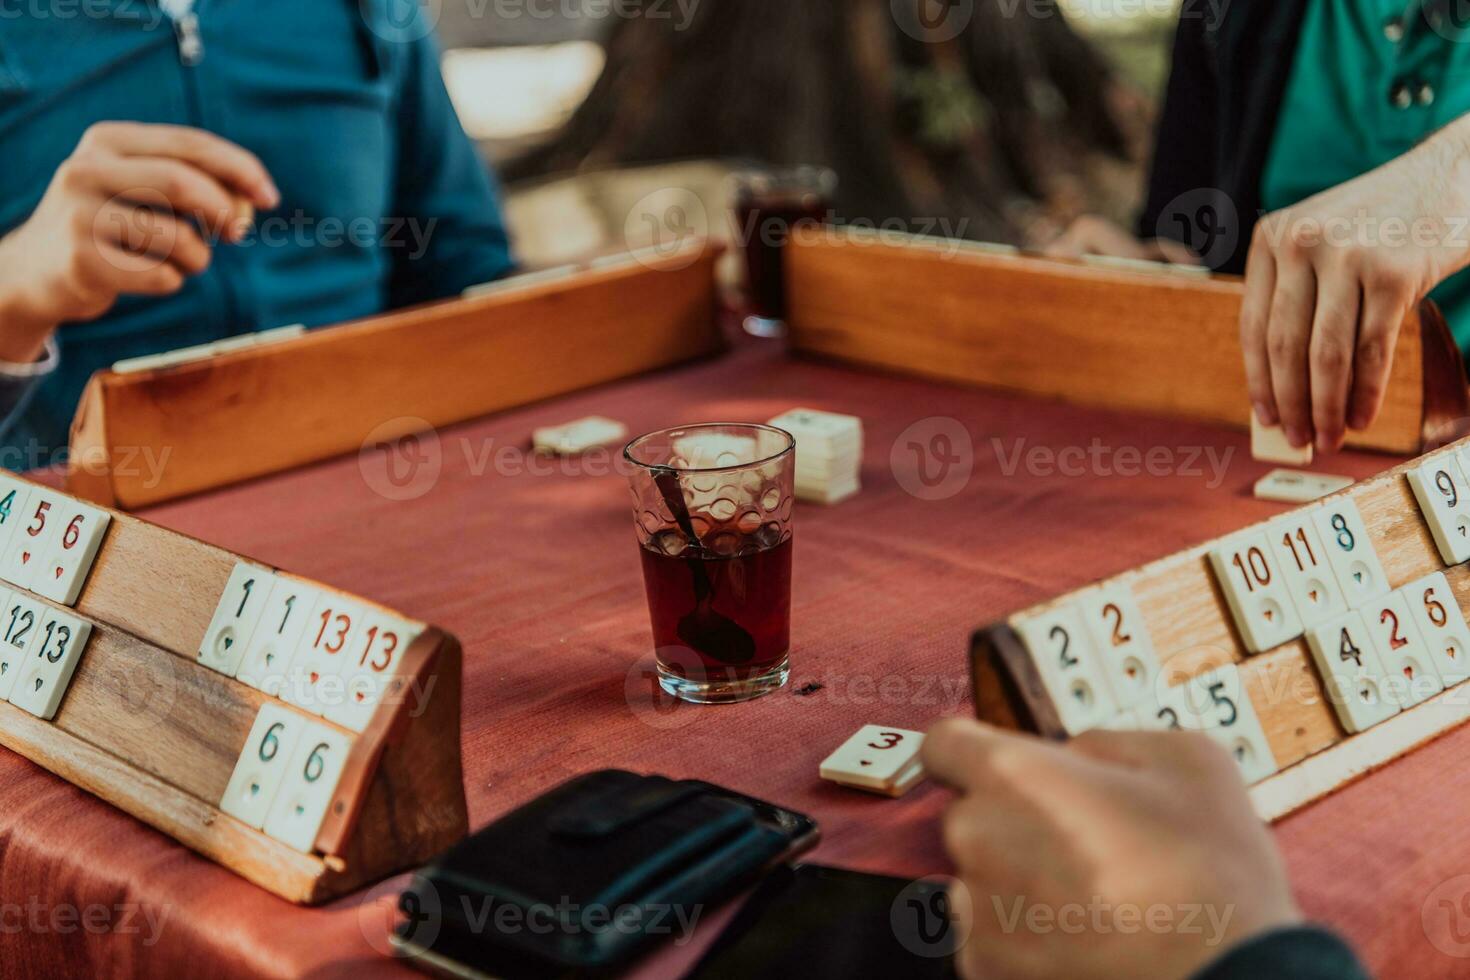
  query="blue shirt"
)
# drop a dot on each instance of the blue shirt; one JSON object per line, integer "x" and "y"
{"x": 385, "y": 201}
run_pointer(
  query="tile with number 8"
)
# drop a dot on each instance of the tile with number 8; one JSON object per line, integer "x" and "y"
{"x": 1412, "y": 676}
{"x": 372, "y": 663}
{"x": 277, "y": 635}
{"x": 1256, "y": 591}
{"x": 1444, "y": 499}
{"x": 1436, "y": 612}
{"x": 65, "y": 568}
{"x": 34, "y": 537}
{"x": 1350, "y": 551}
{"x": 263, "y": 764}
{"x": 1121, "y": 638}
{"x": 1059, "y": 646}
{"x": 307, "y": 789}
{"x": 1352, "y": 672}
{"x": 48, "y": 665}
{"x": 1303, "y": 561}
{"x": 235, "y": 618}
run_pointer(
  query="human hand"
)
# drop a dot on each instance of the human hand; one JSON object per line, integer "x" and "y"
{"x": 1102, "y": 837}
{"x": 123, "y": 214}
{"x": 1330, "y": 280}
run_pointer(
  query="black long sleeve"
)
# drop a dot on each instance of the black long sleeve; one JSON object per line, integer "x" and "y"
{"x": 1302, "y": 953}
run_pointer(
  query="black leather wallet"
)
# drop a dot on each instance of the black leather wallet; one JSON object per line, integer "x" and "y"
{"x": 579, "y": 880}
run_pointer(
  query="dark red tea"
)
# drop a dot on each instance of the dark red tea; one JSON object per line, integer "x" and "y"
{"x": 749, "y": 591}
{"x": 766, "y": 224}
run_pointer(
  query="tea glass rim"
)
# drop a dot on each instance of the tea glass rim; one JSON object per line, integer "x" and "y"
{"x": 634, "y": 443}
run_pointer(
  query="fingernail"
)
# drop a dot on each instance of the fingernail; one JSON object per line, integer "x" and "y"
{"x": 1359, "y": 420}
{"x": 1296, "y": 437}
{"x": 270, "y": 195}
{"x": 1264, "y": 414}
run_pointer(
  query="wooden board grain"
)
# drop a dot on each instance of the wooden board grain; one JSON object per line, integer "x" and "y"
{"x": 1100, "y": 336}
{"x": 250, "y": 412}
{"x": 148, "y": 728}
{"x": 1192, "y": 631}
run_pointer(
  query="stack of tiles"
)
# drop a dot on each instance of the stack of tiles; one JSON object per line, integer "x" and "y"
{"x": 829, "y": 453}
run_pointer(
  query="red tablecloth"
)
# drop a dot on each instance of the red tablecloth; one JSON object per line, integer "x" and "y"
{"x": 537, "y": 573}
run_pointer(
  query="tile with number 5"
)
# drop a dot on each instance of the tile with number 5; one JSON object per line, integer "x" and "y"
{"x": 33, "y": 538}
{"x": 1229, "y": 717}
{"x": 372, "y": 664}
{"x": 47, "y": 668}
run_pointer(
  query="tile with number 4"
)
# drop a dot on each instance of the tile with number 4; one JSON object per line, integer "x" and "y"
{"x": 1119, "y": 634}
{"x": 372, "y": 664}
{"x": 1412, "y": 675}
{"x": 314, "y": 681}
{"x": 66, "y": 566}
{"x": 875, "y": 758}
{"x": 308, "y": 786}
{"x": 277, "y": 635}
{"x": 1256, "y": 591}
{"x": 1350, "y": 551}
{"x": 235, "y": 618}
{"x": 14, "y": 494}
{"x": 1060, "y": 647}
{"x": 1444, "y": 499}
{"x": 263, "y": 764}
{"x": 1436, "y": 612}
{"x": 34, "y": 537}
{"x": 1228, "y": 716}
{"x": 47, "y": 667}
{"x": 1352, "y": 672}
{"x": 1302, "y": 559}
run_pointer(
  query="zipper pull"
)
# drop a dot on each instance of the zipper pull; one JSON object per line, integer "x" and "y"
{"x": 191, "y": 45}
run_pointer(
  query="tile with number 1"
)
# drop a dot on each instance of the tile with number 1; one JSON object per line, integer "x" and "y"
{"x": 235, "y": 618}
{"x": 278, "y": 634}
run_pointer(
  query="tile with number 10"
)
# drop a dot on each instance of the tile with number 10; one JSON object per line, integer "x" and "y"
{"x": 1256, "y": 591}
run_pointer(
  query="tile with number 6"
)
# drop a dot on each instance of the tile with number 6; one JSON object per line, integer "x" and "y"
{"x": 1060, "y": 647}
{"x": 278, "y": 634}
{"x": 65, "y": 569}
{"x": 1412, "y": 675}
{"x": 1256, "y": 591}
{"x": 235, "y": 617}
{"x": 1121, "y": 638}
{"x": 372, "y": 664}
{"x": 34, "y": 537}
{"x": 47, "y": 667}
{"x": 1436, "y": 612}
{"x": 308, "y": 787}
{"x": 263, "y": 764}
{"x": 1350, "y": 551}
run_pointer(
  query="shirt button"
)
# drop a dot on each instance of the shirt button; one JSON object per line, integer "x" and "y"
{"x": 1425, "y": 95}
{"x": 1400, "y": 97}
{"x": 1394, "y": 31}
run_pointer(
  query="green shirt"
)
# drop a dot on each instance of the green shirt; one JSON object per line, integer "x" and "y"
{"x": 1371, "y": 79}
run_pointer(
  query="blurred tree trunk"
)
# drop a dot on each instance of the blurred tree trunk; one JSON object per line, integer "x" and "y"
{"x": 992, "y": 111}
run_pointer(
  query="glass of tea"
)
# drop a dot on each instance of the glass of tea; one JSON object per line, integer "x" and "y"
{"x": 712, "y": 507}
{"x": 769, "y": 207}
